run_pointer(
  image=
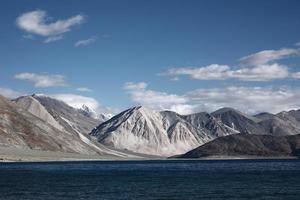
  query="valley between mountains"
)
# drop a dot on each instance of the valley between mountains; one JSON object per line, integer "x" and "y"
{"x": 40, "y": 128}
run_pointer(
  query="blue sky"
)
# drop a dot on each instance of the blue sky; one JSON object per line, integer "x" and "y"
{"x": 186, "y": 56}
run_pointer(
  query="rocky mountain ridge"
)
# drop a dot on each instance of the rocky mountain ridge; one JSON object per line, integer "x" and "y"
{"x": 167, "y": 133}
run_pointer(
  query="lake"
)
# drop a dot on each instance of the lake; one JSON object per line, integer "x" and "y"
{"x": 161, "y": 179}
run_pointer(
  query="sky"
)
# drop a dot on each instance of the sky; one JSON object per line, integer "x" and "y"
{"x": 186, "y": 56}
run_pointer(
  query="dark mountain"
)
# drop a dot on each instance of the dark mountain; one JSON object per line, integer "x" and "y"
{"x": 245, "y": 145}
{"x": 295, "y": 114}
{"x": 264, "y": 115}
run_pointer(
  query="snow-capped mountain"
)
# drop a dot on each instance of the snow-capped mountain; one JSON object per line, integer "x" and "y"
{"x": 89, "y": 112}
{"x": 85, "y": 110}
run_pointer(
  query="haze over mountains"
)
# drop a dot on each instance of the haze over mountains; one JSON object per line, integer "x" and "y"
{"x": 42, "y": 123}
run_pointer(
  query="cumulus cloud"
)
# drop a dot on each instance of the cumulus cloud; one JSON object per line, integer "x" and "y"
{"x": 77, "y": 101}
{"x": 84, "y": 89}
{"x": 247, "y": 99}
{"x": 222, "y": 72}
{"x": 154, "y": 99}
{"x": 9, "y": 93}
{"x": 43, "y": 80}
{"x": 86, "y": 42}
{"x": 38, "y": 22}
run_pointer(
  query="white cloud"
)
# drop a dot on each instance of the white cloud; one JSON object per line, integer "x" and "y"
{"x": 154, "y": 99}
{"x": 86, "y": 42}
{"x": 297, "y": 44}
{"x": 43, "y": 80}
{"x": 260, "y": 66}
{"x": 260, "y": 73}
{"x": 9, "y": 93}
{"x": 37, "y": 22}
{"x": 296, "y": 75}
{"x": 77, "y": 101}
{"x": 267, "y": 56}
{"x": 53, "y": 38}
{"x": 246, "y": 99}
{"x": 84, "y": 89}
{"x": 222, "y": 72}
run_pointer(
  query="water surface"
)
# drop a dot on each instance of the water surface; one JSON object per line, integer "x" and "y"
{"x": 168, "y": 179}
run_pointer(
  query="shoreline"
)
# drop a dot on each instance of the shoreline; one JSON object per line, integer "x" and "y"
{"x": 74, "y": 160}
{"x": 15, "y": 155}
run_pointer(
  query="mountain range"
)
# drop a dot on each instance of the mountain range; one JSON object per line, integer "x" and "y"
{"x": 42, "y": 123}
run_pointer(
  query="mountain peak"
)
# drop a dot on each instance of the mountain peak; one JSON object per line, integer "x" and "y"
{"x": 224, "y": 110}
{"x": 146, "y": 131}
{"x": 141, "y": 109}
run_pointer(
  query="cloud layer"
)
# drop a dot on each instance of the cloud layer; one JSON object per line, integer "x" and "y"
{"x": 224, "y": 72}
{"x": 77, "y": 101}
{"x": 155, "y": 99}
{"x": 260, "y": 66}
{"x": 43, "y": 80}
{"x": 247, "y": 99}
{"x": 38, "y": 23}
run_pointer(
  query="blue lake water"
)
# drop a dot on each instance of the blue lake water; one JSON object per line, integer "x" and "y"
{"x": 170, "y": 179}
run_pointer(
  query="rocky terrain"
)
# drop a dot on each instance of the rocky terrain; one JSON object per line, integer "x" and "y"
{"x": 159, "y": 133}
{"x": 49, "y": 125}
